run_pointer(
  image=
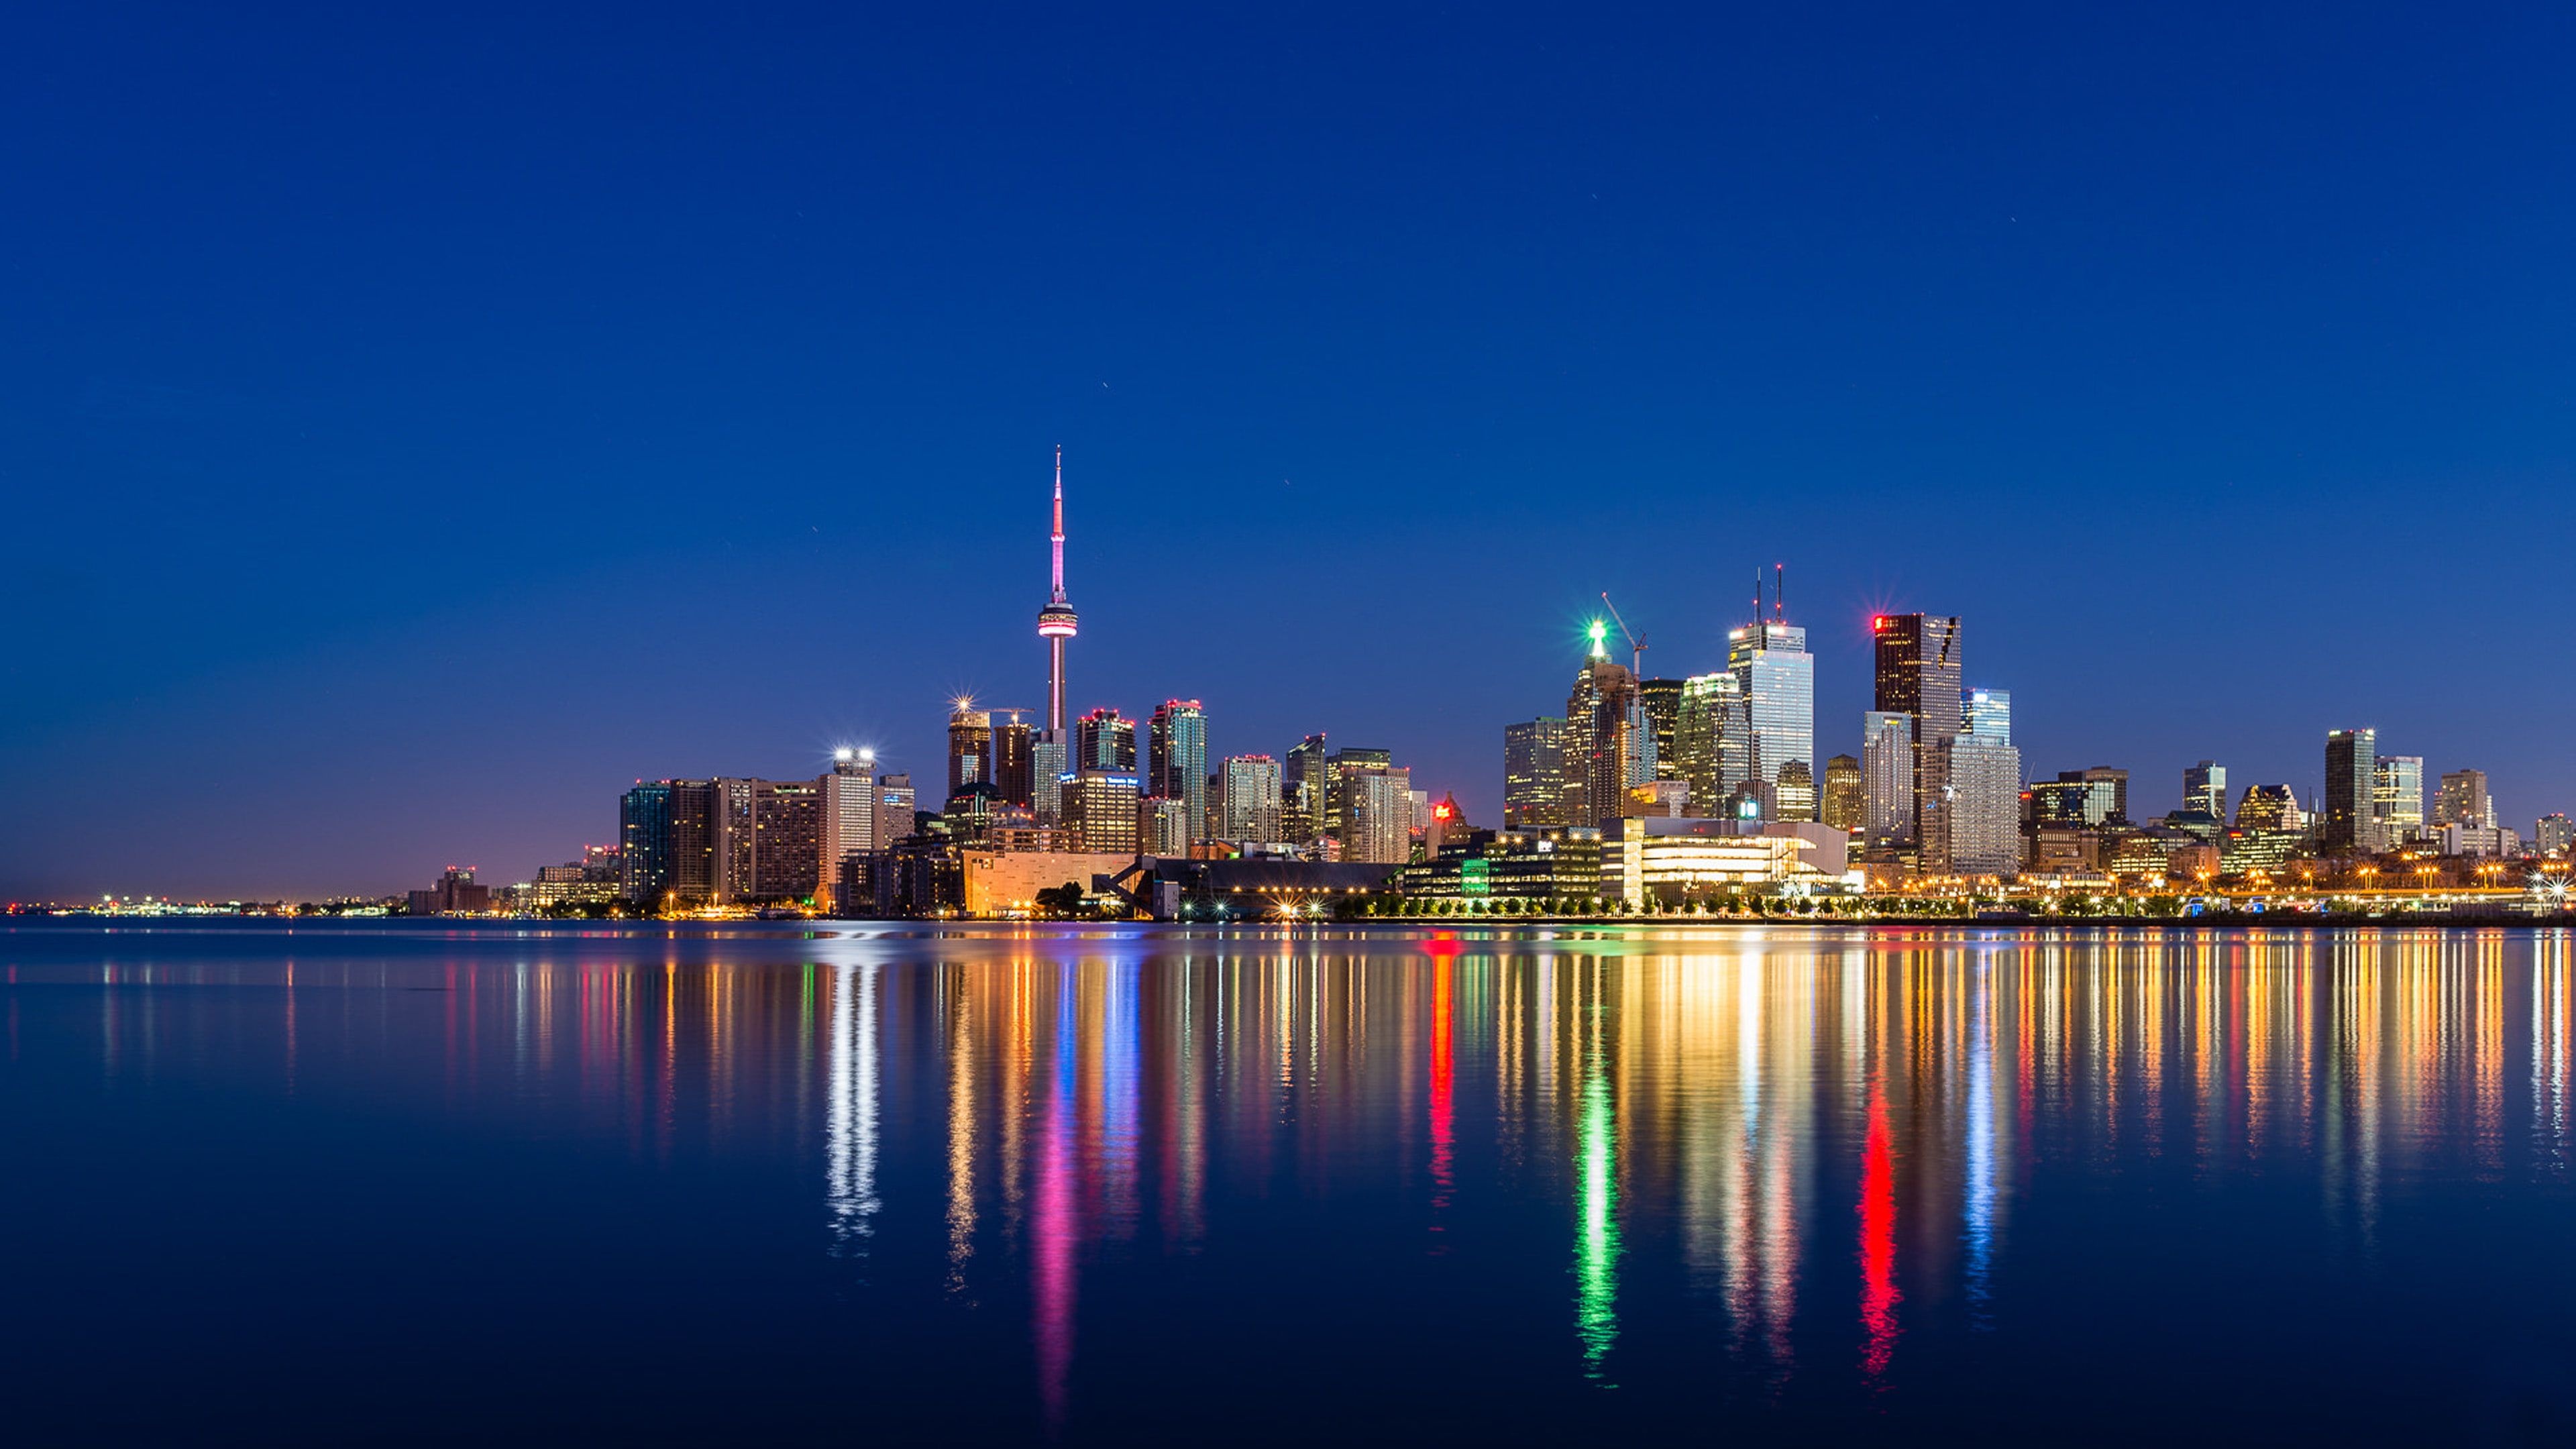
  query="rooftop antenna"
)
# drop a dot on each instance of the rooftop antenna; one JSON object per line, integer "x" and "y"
{"x": 1780, "y": 593}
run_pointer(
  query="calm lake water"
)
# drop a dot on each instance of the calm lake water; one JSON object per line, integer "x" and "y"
{"x": 387, "y": 1181}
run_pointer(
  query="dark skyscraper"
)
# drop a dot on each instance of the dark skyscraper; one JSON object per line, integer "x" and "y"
{"x": 1103, "y": 741}
{"x": 1918, "y": 676}
{"x": 1918, "y": 672}
{"x": 970, "y": 747}
{"x": 1303, "y": 784}
{"x": 2346, "y": 828}
{"x": 1661, "y": 700}
{"x": 1015, "y": 762}
{"x": 1534, "y": 774}
{"x": 644, "y": 843}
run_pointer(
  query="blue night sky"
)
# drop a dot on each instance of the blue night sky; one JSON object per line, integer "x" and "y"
{"x": 418, "y": 423}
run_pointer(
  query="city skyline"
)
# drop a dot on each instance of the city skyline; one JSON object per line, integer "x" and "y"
{"x": 402, "y": 485}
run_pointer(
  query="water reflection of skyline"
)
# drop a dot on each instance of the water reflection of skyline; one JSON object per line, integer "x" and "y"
{"x": 1824, "y": 1139}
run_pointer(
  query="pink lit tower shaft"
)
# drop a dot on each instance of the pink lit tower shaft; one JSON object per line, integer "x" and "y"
{"x": 1056, "y": 620}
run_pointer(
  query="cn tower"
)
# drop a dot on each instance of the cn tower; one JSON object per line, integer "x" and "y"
{"x": 1056, "y": 621}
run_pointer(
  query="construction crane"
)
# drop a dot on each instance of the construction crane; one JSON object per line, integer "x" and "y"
{"x": 1641, "y": 748}
{"x": 1636, "y": 642}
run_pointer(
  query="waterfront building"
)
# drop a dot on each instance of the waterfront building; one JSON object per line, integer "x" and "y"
{"x": 1599, "y": 735}
{"x": 768, "y": 842}
{"x": 593, "y": 880}
{"x": 1534, "y": 774}
{"x": 1844, "y": 804}
{"x": 693, "y": 843}
{"x": 1546, "y": 864}
{"x": 1887, "y": 781}
{"x": 2351, "y": 756}
{"x": 644, "y": 843}
{"x": 1100, "y": 810}
{"x": 2464, "y": 800}
{"x": 1777, "y": 676}
{"x": 2204, "y": 788}
{"x": 1376, "y": 800}
{"x": 1305, "y": 786}
{"x": 1104, "y": 741}
{"x": 1176, "y": 762}
{"x": 1676, "y": 858}
{"x": 454, "y": 894}
{"x": 1006, "y": 883}
{"x": 1249, "y": 800}
{"x": 2397, "y": 798}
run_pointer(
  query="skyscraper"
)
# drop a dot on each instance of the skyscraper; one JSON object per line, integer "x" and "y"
{"x": 1015, "y": 762}
{"x": 1917, "y": 674}
{"x": 693, "y": 841}
{"x": 1887, "y": 781}
{"x": 1051, "y": 756}
{"x": 1534, "y": 774}
{"x": 1163, "y": 826}
{"x": 1660, "y": 701}
{"x": 1100, "y": 810}
{"x": 896, "y": 805}
{"x": 2464, "y": 800}
{"x": 1176, "y": 757}
{"x": 1305, "y": 784}
{"x": 1378, "y": 805}
{"x": 1983, "y": 812}
{"x": 2351, "y": 762}
{"x": 2270, "y": 807}
{"x": 1103, "y": 741}
{"x": 849, "y": 814}
{"x": 2114, "y": 781}
{"x": 1845, "y": 805}
{"x": 2397, "y": 798}
{"x": 1599, "y": 735}
{"x": 2553, "y": 833}
{"x": 1712, "y": 741}
{"x": 1248, "y": 800}
{"x": 644, "y": 843}
{"x": 2204, "y": 788}
{"x": 970, "y": 747}
{"x": 1777, "y": 675}
{"x": 1337, "y": 777}
{"x": 1987, "y": 714}
{"x": 1918, "y": 671}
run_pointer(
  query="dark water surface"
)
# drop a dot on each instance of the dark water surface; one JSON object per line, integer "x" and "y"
{"x": 386, "y": 1181}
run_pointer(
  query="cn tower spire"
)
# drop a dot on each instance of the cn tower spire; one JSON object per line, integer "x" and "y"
{"x": 1056, "y": 622}
{"x": 1058, "y": 536}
